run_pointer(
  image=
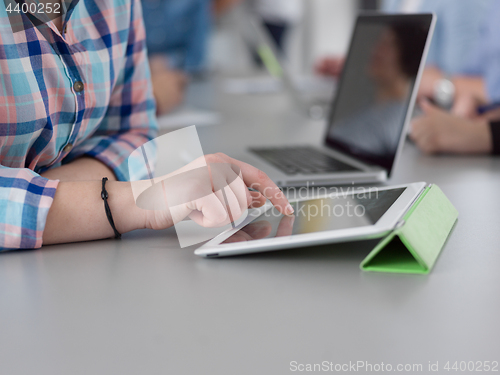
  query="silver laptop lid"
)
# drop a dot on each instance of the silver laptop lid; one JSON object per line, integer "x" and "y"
{"x": 378, "y": 86}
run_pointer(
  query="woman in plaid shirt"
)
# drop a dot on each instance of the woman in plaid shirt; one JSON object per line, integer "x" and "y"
{"x": 75, "y": 101}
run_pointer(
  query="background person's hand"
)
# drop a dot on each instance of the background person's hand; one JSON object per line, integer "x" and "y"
{"x": 212, "y": 191}
{"x": 330, "y": 66}
{"x": 438, "y": 131}
{"x": 465, "y": 105}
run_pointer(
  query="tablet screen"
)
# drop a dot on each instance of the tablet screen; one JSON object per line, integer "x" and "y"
{"x": 322, "y": 214}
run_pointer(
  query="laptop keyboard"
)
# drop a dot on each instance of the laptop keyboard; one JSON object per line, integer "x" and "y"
{"x": 303, "y": 160}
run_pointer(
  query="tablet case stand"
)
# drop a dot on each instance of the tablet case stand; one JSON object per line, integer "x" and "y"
{"x": 414, "y": 245}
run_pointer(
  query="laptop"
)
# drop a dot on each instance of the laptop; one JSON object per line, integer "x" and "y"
{"x": 370, "y": 113}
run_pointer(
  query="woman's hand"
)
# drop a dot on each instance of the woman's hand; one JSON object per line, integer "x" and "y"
{"x": 212, "y": 191}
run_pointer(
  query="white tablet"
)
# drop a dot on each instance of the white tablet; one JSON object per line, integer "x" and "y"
{"x": 351, "y": 213}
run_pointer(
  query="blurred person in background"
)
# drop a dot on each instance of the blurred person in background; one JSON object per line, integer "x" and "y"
{"x": 177, "y": 34}
{"x": 473, "y": 125}
{"x": 457, "y": 31}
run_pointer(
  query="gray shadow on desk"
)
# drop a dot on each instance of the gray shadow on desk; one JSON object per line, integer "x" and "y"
{"x": 336, "y": 265}
{"x": 351, "y": 252}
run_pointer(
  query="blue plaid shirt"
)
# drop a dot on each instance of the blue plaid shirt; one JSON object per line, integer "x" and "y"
{"x": 83, "y": 91}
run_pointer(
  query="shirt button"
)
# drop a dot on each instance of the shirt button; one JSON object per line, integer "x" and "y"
{"x": 68, "y": 147}
{"x": 78, "y": 86}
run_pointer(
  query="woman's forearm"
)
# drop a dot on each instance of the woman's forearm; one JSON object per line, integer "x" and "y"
{"x": 81, "y": 169}
{"x": 77, "y": 212}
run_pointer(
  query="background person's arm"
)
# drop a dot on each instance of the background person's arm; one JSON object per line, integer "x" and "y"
{"x": 438, "y": 131}
{"x": 330, "y": 66}
{"x": 470, "y": 93}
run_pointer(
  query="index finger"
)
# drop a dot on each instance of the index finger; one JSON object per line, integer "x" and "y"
{"x": 258, "y": 180}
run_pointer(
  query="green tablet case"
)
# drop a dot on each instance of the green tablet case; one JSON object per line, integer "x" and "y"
{"x": 414, "y": 245}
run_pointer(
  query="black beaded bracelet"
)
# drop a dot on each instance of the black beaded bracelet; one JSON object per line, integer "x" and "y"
{"x": 105, "y": 196}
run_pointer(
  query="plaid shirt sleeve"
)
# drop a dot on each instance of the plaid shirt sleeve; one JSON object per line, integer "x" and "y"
{"x": 25, "y": 200}
{"x": 130, "y": 119}
{"x": 44, "y": 122}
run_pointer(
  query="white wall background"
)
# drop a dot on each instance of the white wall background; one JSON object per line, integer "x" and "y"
{"x": 324, "y": 30}
{"x": 330, "y": 23}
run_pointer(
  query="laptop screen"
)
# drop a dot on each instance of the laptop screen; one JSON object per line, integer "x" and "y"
{"x": 375, "y": 89}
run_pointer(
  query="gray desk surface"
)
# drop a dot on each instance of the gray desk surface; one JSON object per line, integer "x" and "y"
{"x": 144, "y": 306}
